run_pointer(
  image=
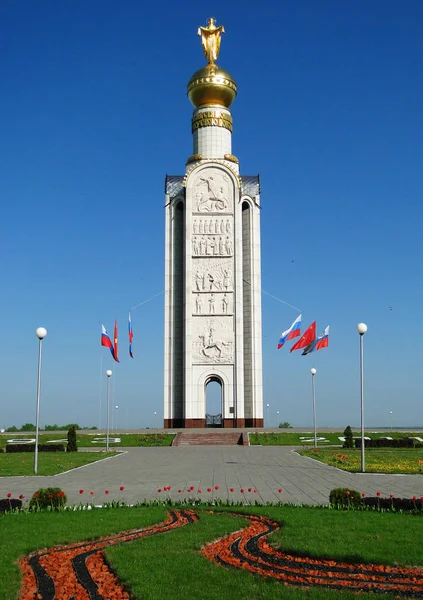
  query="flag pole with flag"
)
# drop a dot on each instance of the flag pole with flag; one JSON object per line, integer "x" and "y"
{"x": 307, "y": 338}
{"x": 291, "y": 333}
{"x": 106, "y": 341}
{"x": 321, "y": 342}
{"x": 115, "y": 340}
{"x": 131, "y": 335}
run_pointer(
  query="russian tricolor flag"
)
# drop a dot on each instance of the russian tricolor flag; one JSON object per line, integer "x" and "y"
{"x": 106, "y": 341}
{"x": 131, "y": 335}
{"x": 291, "y": 333}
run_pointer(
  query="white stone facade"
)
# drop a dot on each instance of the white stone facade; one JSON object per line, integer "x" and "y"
{"x": 212, "y": 289}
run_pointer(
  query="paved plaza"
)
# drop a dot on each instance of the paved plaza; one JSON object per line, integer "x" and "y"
{"x": 142, "y": 471}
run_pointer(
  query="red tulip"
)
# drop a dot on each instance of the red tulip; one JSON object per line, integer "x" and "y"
{"x": 280, "y": 490}
{"x": 216, "y": 487}
{"x": 414, "y": 497}
{"x": 200, "y": 490}
{"x": 159, "y": 490}
{"x": 121, "y": 488}
{"x": 347, "y": 493}
{"x": 179, "y": 491}
{"x": 421, "y": 498}
{"x": 255, "y": 491}
{"x": 92, "y": 493}
{"x": 106, "y": 491}
{"x": 168, "y": 487}
{"x": 362, "y": 495}
{"x": 59, "y": 494}
{"x": 81, "y": 491}
{"x": 36, "y": 495}
{"x": 209, "y": 489}
{"x": 9, "y": 495}
{"x": 21, "y": 496}
{"x": 378, "y": 494}
{"x": 242, "y": 490}
{"x": 391, "y": 495}
{"x": 51, "y": 495}
{"x": 249, "y": 489}
{"x": 232, "y": 490}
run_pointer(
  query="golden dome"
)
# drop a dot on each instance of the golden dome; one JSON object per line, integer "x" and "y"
{"x": 211, "y": 85}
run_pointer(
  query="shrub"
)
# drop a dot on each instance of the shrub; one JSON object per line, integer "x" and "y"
{"x": 381, "y": 443}
{"x": 10, "y": 504}
{"x": 48, "y": 497}
{"x": 72, "y": 447}
{"x": 31, "y": 448}
{"x": 349, "y": 440}
{"x": 344, "y": 497}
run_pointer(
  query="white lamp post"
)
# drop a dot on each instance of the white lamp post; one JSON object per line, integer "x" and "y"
{"x": 362, "y": 328}
{"x": 390, "y": 420}
{"x": 154, "y": 420}
{"x": 268, "y": 415}
{"x": 313, "y": 373}
{"x": 41, "y": 333}
{"x": 277, "y": 418}
{"x": 116, "y": 417}
{"x": 109, "y": 374}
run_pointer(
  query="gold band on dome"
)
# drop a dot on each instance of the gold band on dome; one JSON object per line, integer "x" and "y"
{"x": 211, "y": 118}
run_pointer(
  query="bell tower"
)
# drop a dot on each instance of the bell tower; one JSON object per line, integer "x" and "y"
{"x": 212, "y": 265}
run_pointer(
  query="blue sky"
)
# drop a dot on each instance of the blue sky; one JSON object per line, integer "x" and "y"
{"x": 94, "y": 113}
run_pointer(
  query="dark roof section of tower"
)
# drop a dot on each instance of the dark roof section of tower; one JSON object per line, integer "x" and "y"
{"x": 174, "y": 185}
{"x": 250, "y": 185}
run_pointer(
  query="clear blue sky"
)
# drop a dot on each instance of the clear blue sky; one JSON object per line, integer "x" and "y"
{"x": 94, "y": 113}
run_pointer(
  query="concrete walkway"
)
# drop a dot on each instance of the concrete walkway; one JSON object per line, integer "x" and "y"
{"x": 142, "y": 471}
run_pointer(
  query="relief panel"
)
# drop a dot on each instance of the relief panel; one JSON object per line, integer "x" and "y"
{"x": 213, "y": 340}
{"x": 212, "y": 275}
{"x": 212, "y": 192}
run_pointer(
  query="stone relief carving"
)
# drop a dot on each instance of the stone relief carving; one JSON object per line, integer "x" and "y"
{"x": 212, "y": 226}
{"x": 213, "y": 340}
{"x": 212, "y": 246}
{"x": 212, "y": 192}
{"x": 213, "y": 303}
{"x": 212, "y": 275}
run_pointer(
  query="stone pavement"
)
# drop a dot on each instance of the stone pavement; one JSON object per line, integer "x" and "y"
{"x": 142, "y": 471}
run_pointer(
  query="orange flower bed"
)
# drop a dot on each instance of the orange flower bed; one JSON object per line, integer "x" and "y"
{"x": 248, "y": 549}
{"x": 80, "y": 570}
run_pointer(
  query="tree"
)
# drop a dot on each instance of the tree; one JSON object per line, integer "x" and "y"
{"x": 12, "y": 429}
{"x": 285, "y": 425}
{"x": 72, "y": 447}
{"x": 349, "y": 440}
{"x": 28, "y": 427}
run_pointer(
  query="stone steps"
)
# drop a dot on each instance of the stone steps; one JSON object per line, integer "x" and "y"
{"x": 208, "y": 439}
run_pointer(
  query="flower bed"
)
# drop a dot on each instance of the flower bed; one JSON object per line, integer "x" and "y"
{"x": 248, "y": 549}
{"x": 80, "y": 570}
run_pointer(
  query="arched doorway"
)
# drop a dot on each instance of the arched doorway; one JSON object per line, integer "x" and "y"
{"x": 214, "y": 401}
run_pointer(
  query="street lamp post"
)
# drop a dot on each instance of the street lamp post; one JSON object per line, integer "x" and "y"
{"x": 116, "y": 417}
{"x": 390, "y": 420}
{"x": 41, "y": 333}
{"x": 277, "y": 419}
{"x": 268, "y": 415}
{"x": 362, "y": 328}
{"x": 109, "y": 374}
{"x": 154, "y": 420}
{"x": 313, "y": 373}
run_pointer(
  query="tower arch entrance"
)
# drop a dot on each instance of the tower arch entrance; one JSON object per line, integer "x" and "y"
{"x": 213, "y": 391}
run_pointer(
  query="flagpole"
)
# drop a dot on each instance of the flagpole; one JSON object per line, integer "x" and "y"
{"x": 108, "y": 374}
{"x": 101, "y": 386}
{"x": 313, "y": 373}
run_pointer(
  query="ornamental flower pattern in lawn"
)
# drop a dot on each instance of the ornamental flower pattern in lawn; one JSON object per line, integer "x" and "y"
{"x": 248, "y": 549}
{"x": 80, "y": 571}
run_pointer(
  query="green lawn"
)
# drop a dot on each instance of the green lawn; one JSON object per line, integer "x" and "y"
{"x": 287, "y": 438}
{"x": 22, "y": 463}
{"x": 85, "y": 440}
{"x": 170, "y": 567}
{"x": 404, "y": 460}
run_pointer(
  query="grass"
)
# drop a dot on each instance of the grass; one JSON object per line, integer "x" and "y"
{"x": 404, "y": 460}
{"x": 22, "y": 463}
{"x": 170, "y": 567}
{"x": 85, "y": 440}
{"x": 293, "y": 439}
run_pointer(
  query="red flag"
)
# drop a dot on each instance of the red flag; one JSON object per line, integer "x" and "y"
{"x": 307, "y": 338}
{"x": 115, "y": 340}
